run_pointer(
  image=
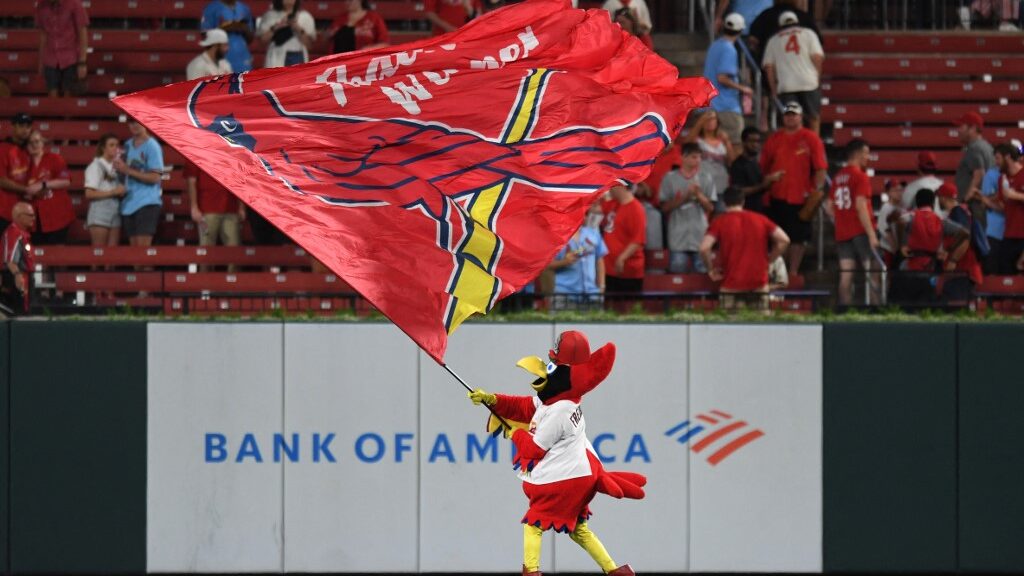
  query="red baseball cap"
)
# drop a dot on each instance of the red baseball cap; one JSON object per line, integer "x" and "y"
{"x": 947, "y": 190}
{"x": 571, "y": 348}
{"x": 970, "y": 119}
{"x": 926, "y": 160}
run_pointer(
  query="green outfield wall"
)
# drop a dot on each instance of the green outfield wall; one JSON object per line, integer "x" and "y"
{"x": 274, "y": 447}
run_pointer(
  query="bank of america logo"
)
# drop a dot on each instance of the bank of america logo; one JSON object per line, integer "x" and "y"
{"x": 716, "y": 434}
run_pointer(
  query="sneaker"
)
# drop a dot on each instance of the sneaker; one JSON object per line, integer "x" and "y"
{"x": 1008, "y": 27}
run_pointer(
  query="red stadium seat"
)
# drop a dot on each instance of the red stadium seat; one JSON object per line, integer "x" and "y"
{"x": 655, "y": 260}
{"x": 82, "y": 155}
{"x": 1002, "y": 285}
{"x": 44, "y": 107}
{"x": 80, "y": 129}
{"x": 678, "y": 283}
{"x": 931, "y": 137}
{"x": 905, "y": 160}
{"x": 167, "y": 256}
{"x": 99, "y": 85}
{"x": 924, "y": 113}
{"x": 908, "y": 66}
{"x": 109, "y": 281}
{"x": 923, "y": 91}
{"x": 255, "y": 282}
{"x": 923, "y": 43}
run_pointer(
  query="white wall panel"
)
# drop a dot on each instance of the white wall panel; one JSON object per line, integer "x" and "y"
{"x": 214, "y": 516}
{"x": 758, "y": 508}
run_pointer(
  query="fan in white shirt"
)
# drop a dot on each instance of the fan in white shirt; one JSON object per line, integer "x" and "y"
{"x": 211, "y": 61}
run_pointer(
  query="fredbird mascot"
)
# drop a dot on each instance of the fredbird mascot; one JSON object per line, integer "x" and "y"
{"x": 557, "y": 464}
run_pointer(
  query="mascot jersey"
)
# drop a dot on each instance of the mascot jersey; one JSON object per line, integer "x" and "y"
{"x": 561, "y": 430}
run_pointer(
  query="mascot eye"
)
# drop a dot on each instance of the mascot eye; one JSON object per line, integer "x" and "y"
{"x": 551, "y": 367}
{"x": 228, "y": 125}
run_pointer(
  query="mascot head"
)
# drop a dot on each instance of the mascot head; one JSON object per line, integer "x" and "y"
{"x": 572, "y": 370}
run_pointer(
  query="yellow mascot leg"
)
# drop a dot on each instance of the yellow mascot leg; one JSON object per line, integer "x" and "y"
{"x": 589, "y": 542}
{"x": 532, "y": 538}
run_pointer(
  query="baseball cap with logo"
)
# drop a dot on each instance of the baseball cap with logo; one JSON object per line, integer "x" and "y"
{"x": 734, "y": 22}
{"x": 970, "y": 119}
{"x": 214, "y": 36}
{"x": 793, "y": 108}
{"x": 947, "y": 190}
{"x": 21, "y": 118}
{"x": 788, "y": 17}
{"x": 926, "y": 160}
{"x": 571, "y": 348}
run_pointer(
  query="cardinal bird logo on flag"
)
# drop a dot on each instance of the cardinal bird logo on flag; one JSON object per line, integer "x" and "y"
{"x": 439, "y": 176}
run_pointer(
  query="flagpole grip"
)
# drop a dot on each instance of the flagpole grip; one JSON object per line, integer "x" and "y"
{"x": 466, "y": 386}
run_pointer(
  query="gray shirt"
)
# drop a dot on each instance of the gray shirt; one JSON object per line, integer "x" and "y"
{"x": 977, "y": 156}
{"x": 687, "y": 223}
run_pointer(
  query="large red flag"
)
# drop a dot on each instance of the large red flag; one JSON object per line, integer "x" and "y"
{"x": 442, "y": 175}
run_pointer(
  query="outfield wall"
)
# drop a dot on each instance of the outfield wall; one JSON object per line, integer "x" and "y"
{"x": 331, "y": 447}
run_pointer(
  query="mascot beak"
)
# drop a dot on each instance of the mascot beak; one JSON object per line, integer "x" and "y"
{"x": 538, "y": 367}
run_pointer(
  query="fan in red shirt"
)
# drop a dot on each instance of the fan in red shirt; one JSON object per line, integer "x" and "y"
{"x": 357, "y": 29}
{"x": 1011, "y": 251}
{"x": 856, "y": 239}
{"x": 797, "y": 153}
{"x": 16, "y": 259}
{"x": 743, "y": 239}
{"x": 625, "y": 229}
{"x": 450, "y": 15}
{"x": 47, "y": 181}
{"x": 962, "y": 258}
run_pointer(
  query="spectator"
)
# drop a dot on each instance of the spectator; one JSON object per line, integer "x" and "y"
{"x": 654, "y": 238}
{"x": 749, "y": 10}
{"x": 47, "y": 187}
{"x": 922, "y": 237}
{"x": 449, "y": 15}
{"x": 792, "y": 62}
{"x": 721, "y": 67}
{"x": 745, "y": 172}
{"x": 1011, "y": 251}
{"x": 16, "y": 273}
{"x": 743, "y": 239}
{"x": 890, "y": 212}
{"x": 715, "y": 148}
{"x": 995, "y": 221}
{"x": 63, "y": 45}
{"x": 797, "y": 153}
{"x": 623, "y": 228}
{"x": 963, "y": 260}
{"x": 766, "y": 25}
{"x": 359, "y": 28}
{"x": 856, "y": 239}
{"x": 687, "y": 198}
{"x": 211, "y": 61}
{"x": 21, "y": 125}
{"x": 627, "y": 20}
{"x": 974, "y": 162}
{"x": 641, "y": 15}
{"x": 1005, "y": 11}
{"x": 579, "y": 266}
{"x": 670, "y": 159}
{"x": 104, "y": 190}
{"x": 142, "y": 167}
{"x": 216, "y": 211}
{"x": 235, "y": 18}
{"x": 288, "y": 31}
{"x": 926, "y": 180}
{"x": 13, "y": 166}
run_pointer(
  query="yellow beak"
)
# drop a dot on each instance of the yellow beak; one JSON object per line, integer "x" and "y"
{"x": 536, "y": 366}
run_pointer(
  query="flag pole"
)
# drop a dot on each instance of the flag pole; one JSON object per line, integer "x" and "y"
{"x": 466, "y": 386}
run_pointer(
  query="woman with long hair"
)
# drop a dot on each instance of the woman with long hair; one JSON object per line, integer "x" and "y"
{"x": 104, "y": 189}
{"x": 288, "y": 31}
{"x": 359, "y": 28}
{"x": 716, "y": 150}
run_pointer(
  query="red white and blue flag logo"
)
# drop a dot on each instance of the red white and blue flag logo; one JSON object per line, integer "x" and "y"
{"x": 715, "y": 435}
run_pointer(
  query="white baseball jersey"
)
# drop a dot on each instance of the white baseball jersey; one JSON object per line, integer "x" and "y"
{"x": 790, "y": 52}
{"x": 561, "y": 430}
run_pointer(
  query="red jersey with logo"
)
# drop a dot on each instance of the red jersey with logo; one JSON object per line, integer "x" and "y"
{"x": 798, "y": 154}
{"x": 924, "y": 240}
{"x": 370, "y": 29}
{"x": 212, "y": 196}
{"x": 451, "y": 11}
{"x": 7, "y": 198}
{"x": 1014, "y": 209}
{"x": 52, "y": 206}
{"x": 743, "y": 238}
{"x": 15, "y": 247}
{"x": 624, "y": 224}
{"x": 849, "y": 184}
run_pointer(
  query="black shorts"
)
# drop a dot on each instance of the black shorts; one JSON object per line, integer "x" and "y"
{"x": 63, "y": 80}
{"x": 787, "y": 216}
{"x": 809, "y": 101}
{"x": 142, "y": 222}
{"x": 858, "y": 249}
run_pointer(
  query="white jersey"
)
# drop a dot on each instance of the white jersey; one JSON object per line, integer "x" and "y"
{"x": 790, "y": 53}
{"x": 561, "y": 430}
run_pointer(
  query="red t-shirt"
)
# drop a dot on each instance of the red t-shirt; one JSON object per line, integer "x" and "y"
{"x": 849, "y": 184}
{"x": 799, "y": 154}
{"x": 624, "y": 224}
{"x": 7, "y": 198}
{"x": 370, "y": 29}
{"x": 15, "y": 247}
{"x": 53, "y": 207}
{"x": 924, "y": 239}
{"x": 1014, "y": 209}
{"x": 743, "y": 238}
{"x": 451, "y": 11}
{"x": 213, "y": 198}
{"x": 663, "y": 165}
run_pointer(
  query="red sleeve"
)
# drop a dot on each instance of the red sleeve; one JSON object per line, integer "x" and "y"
{"x": 818, "y": 161}
{"x": 380, "y": 29}
{"x": 636, "y": 232}
{"x": 769, "y": 226}
{"x": 517, "y": 408}
{"x": 863, "y": 187}
{"x": 527, "y": 451}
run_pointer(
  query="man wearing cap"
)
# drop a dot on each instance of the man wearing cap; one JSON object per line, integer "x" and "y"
{"x": 63, "y": 45}
{"x": 748, "y": 9}
{"x": 235, "y": 18}
{"x": 995, "y": 221}
{"x": 963, "y": 260}
{"x": 925, "y": 240}
{"x": 856, "y": 240}
{"x": 211, "y": 61}
{"x": 14, "y": 165}
{"x": 926, "y": 180}
{"x": 792, "y": 62}
{"x": 796, "y": 152}
{"x": 977, "y": 158}
{"x": 721, "y": 67}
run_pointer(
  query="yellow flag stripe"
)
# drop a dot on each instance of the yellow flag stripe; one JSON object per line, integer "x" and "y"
{"x": 526, "y": 107}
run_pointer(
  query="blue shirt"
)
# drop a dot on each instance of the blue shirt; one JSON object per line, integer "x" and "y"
{"x": 145, "y": 158}
{"x": 215, "y": 14}
{"x": 749, "y": 9}
{"x": 581, "y": 276}
{"x": 995, "y": 222}
{"x": 722, "y": 58}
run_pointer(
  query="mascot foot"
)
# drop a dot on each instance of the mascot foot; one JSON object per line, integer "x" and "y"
{"x": 623, "y": 570}
{"x": 526, "y": 572}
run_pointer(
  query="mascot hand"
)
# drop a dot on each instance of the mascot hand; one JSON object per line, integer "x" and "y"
{"x": 479, "y": 396}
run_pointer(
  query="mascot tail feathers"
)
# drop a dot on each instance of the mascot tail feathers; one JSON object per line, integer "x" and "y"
{"x": 622, "y": 484}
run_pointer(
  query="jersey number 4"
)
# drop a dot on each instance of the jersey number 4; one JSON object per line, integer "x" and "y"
{"x": 793, "y": 45}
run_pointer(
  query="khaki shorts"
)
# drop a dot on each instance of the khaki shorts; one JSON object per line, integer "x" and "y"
{"x": 222, "y": 226}
{"x": 756, "y": 300}
{"x": 732, "y": 124}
